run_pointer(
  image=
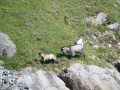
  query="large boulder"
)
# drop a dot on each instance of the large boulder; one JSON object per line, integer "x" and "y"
{"x": 90, "y": 77}
{"x": 7, "y": 47}
{"x": 41, "y": 80}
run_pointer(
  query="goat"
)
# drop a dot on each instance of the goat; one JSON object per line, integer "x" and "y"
{"x": 72, "y": 50}
{"x": 47, "y": 57}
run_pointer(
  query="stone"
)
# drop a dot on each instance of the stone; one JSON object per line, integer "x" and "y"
{"x": 41, "y": 80}
{"x": 114, "y": 26}
{"x": 93, "y": 36}
{"x": 97, "y": 19}
{"x": 91, "y": 43}
{"x": 118, "y": 1}
{"x": 115, "y": 5}
{"x": 118, "y": 45}
{"x": 95, "y": 57}
{"x": 101, "y": 18}
{"x": 8, "y": 81}
{"x": 95, "y": 46}
{"x": 90, "y": 77}
{"x": 7, "y": 47}
{"x": 109, "y": 45}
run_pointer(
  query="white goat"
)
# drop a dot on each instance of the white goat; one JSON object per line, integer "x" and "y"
{"x": 76, "y": 48}
{"x": 73, "y": 49}
{"x": 46, "y": 57}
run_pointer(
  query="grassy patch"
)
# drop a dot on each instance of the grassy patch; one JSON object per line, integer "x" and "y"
{"x": 46, "y": 25}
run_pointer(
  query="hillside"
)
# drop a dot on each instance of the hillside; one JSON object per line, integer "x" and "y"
{"x": 47, "y": 25}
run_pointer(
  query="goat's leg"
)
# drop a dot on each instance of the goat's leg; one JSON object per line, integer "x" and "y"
{"x": 42, "y": 61}
{"x": 82, "y": 53}
{"x": 52, "y": 61}
{"x": 71, "y": 57}
{"x": 72, "y": 54}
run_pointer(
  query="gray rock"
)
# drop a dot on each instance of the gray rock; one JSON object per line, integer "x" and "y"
{"x": 7, "y": 47}
{"x": 114, "y": 26}
{"x": 95, "y": 57}
{"x": 8, "y": 81}
{"x": 101, "y": 18}
{"x": 90, "y": 77}
{"x": 91, "y": 43}
{"x": 118, "y": 45}
{"x": 97, "y": 19}
{"x": 118, "y": 1}
{"x": 41, "y": 80}
{"x": 95, "y": 46}
{"x": 94, "y": 37}
{"x": 109, "y": 45}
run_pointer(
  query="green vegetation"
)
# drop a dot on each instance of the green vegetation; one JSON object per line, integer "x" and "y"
{"x": 45, "y": 25}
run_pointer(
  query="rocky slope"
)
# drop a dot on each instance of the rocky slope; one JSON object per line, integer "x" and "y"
{"x": 8, "y": 81}
{"x": 40, "y": 80}
{"x": 90, "y": 77}
{"x": 76, "y": 77}
{"x": 30, "y": 79}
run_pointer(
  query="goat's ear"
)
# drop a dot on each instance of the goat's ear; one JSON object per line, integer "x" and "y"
{"x": 39, "y": 53}
{"x": 61, "y": 48}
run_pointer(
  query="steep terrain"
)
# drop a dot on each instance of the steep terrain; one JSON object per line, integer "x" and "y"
{"x": 45, "y": 25}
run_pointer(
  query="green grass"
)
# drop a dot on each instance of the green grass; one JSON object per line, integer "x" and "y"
{"x": 45, "y": 25}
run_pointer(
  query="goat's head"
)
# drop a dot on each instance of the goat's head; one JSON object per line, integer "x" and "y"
{"x": 63, "y": 49}
{"x": 41, "y": 54}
